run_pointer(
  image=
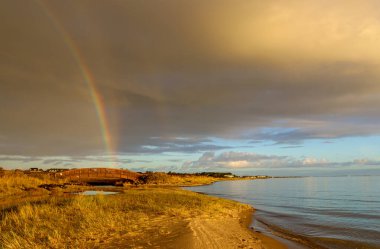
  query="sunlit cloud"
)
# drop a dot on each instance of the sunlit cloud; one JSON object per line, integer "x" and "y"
{"x": 248, "y": 160}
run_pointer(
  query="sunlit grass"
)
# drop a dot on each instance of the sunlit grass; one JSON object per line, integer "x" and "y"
{"x": 81, "y": 221}
{"x": 13, "y": 183}
{"x": 178, "y": 180}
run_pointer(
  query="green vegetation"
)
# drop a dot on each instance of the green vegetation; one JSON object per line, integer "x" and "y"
{"x": 89, "y": 222}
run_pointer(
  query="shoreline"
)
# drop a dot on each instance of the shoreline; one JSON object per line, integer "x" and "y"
{"x": 212, "y": 229}
{"x": 160, "y": 212}
{"x": 268, "y": 237}
{"x": 222, "y": 224}
{"x": 268, "y": 241}
{"x": 290, "y": 240}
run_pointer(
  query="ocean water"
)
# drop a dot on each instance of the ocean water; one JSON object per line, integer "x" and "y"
{"x": 315, "y": 212}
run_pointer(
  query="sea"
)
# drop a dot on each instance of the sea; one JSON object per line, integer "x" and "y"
{"x": 310, "y": 212}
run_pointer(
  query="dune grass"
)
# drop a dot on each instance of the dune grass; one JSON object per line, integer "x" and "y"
{"x": 86, "y": 221}
{"x": 159, "y": 178}
{"x": 14, "y": 183}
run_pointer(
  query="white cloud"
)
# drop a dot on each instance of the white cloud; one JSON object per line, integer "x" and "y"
{"x": 236, "y": 160}
{"x": 314, "y": 161}
{"x": 249, "y": 160}
{"x": 238, "y": 164}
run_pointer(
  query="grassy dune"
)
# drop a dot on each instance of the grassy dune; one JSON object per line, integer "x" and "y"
{"x": 136, "y": 214}
{"x": 90, "y": 222}
{"x": 15, "y": 183}
{"x": 158, "y": 178}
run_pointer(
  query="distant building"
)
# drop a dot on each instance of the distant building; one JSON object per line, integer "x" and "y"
{"x": 216, "y": 174}
{"x": 262, "y": 177}
{"x": 35, "y": 170}
{"x": 228, "y": 176}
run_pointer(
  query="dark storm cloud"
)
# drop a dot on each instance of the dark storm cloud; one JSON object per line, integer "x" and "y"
{"x": 97, "y": 159}
{"x": 185, "y": 69}
{"x": 66, "y": 161}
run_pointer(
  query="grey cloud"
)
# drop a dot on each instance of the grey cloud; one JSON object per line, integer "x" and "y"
{"x": 198, "y": 76}
{"x": 24, "y": 159}
{"x": 162, "y": 168}
{"x": 76, "y": 160}
{"x": 178, "y": 144}
{"x": 97, "y": 159}
{"x": 292, "y": 147}
{"x": 294, "y": 132}
{"x": 366, "y": 162}
{"x": 175, "y": 160}
{"x": 293, "y": 136}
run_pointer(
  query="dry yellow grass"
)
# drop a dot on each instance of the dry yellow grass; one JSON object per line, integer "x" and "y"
{"x": 85, "y": 221}
{"x": 158, "y": 178}
{"x": 14, "y": 183}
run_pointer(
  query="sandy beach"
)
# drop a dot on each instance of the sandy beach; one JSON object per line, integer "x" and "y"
{"x": 227, "y": 232}
{"x": 200, "y": 233}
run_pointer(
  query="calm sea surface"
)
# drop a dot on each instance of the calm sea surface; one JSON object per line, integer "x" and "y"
{"x": 318, "y": 212}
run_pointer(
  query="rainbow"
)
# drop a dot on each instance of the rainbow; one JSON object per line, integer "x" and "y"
{"x": 89, "y": 80}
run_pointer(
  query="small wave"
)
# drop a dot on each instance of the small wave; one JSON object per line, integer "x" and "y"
{"x": 332, "y": 243}
{"x": 324, "y": 212}
{"x": 288, "y": 235}
{"x": 315, "y": 227}
{"x": 318, "y": 242}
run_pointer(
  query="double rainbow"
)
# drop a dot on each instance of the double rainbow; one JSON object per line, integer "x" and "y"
{"x": 96, "y": 96}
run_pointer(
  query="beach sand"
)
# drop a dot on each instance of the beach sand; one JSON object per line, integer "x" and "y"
{"x": 201, "y": 233}
{"x": 228, "y": 232}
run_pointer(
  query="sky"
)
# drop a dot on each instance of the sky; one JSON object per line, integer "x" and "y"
{"x": 245, "y": 86}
